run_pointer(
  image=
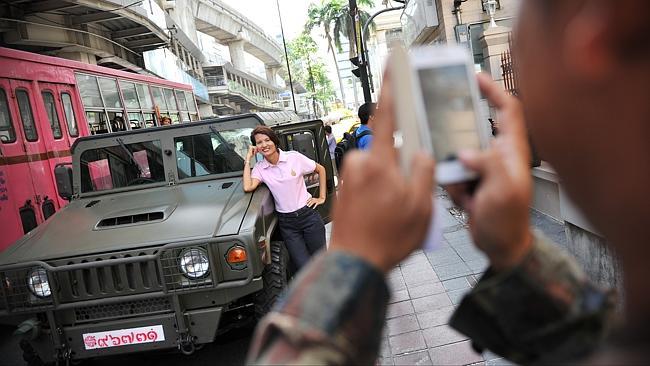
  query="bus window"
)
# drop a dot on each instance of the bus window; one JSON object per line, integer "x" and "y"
{"x": 149, "y": 120}
{"x": 185, "y": 117}
{"x": 129, "y": 95}
{"x": 52, "y": 116}
{"x": 97, "y": 122}
{"x": 182, "y": 102}
{"x": 158, "y": 98}
{"x": 7, "y": 132}
{"x": 136, "y": 121}
{"x": 70, "y": 119}
{"x": 89, "y": 91}
{"x": 117, "y": 121}
{"x": 109, "y": 93}
{"x": 144, "y": 96}
{"x": 26, "y": 115}
{"x": 169, "y": 98}
{"x": 190, "y": 102}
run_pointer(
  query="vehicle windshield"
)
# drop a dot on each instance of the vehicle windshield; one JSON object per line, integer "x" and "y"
{"x": 122, "y": 165}
{"x": 217, "y": 152}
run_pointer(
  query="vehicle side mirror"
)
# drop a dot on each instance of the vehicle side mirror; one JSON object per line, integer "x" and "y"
{"x": 63, "y": 175}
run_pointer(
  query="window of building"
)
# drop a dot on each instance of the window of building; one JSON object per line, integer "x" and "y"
{"x": 70, "y": 119}
{"x": 52, "y": 115}
{"x": 7, "y": 132}
{"x": 26, "y": 115}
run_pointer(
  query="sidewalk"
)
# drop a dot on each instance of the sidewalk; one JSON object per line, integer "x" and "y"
{"x": 426, "y": 288}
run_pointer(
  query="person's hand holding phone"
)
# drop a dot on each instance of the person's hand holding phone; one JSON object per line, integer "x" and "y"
{"x": 498, "y": 206}
{"x": 380, "y": 215}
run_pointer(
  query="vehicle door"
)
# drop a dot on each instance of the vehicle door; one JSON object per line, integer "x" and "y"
{"x": 309, "y": 139}
{"x": 52, "y": 122}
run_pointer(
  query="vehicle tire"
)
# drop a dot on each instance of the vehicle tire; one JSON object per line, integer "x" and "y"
{"x": 275, "y": 279}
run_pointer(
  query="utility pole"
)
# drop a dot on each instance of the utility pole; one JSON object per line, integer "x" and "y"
{"x": 286, "y": 56}
{"x": 360, "y": 58}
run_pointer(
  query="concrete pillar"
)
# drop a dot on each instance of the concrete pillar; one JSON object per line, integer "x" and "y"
{"x": 494, "y": 42}
{"x": 272, "y": 74}
{"x": 236, "y": 49}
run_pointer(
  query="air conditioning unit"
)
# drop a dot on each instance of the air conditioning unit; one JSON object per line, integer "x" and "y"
{"x": 419, "y": 20}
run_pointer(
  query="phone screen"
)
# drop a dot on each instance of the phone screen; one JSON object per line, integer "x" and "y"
{"x": 449, "y": 110}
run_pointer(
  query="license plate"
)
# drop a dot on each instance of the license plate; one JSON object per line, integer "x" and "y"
{"x": 124, "y": 337}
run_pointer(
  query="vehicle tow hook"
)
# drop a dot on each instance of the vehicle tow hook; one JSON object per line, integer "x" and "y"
{"x": 187, "y": 347}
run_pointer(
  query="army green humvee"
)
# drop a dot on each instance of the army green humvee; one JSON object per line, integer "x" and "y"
{"x": 159, "y": 246}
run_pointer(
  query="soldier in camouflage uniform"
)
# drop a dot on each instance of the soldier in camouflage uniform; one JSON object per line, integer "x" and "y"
{"x": 583, "y": 64}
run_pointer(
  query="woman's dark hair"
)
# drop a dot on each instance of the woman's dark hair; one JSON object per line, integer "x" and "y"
{"x": 263, "y": 130}
{"x": 328, "y": 129}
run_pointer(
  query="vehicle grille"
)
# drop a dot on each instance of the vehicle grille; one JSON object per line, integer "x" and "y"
{"x": 17, "y": 295}
{"x": 108, "y": 278}
{"x": 122, "y": 309}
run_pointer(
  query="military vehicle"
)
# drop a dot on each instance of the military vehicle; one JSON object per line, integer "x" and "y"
{"x": 159, "y": 247}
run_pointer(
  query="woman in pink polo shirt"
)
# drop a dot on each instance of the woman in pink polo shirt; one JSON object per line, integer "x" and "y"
{"x": 283, "y": 172}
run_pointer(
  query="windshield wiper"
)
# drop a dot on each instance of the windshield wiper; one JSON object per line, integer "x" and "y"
{"x": 130, "y": 155}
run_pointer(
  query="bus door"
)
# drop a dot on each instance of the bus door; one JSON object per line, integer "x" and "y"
{"x": 17, "y": 213}
{"x": 35, "y": 168}
{"x": 55, "y": 134}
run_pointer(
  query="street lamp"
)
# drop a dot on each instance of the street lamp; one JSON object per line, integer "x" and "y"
{"x": 491, "y": 7}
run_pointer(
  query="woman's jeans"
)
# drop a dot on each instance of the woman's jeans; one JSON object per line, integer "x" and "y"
{"x": 303, "y": 232}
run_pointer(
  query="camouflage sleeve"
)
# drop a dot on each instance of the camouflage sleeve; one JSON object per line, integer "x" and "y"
{"x": 542, "y": 311}
{"x": 333, "y": 314}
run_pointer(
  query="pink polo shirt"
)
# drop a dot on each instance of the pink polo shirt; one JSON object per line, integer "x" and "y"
{"x": 285, "y": 179}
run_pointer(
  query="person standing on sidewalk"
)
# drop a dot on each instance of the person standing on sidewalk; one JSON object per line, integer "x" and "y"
{"x": 331, "y": 141}
{"x": 363, "y": 134}
{"x": 283, "y": 172}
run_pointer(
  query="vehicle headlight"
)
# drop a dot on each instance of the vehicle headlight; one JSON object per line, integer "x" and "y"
{"x": 194, "y": 263}
{"x": 38, "y": 283}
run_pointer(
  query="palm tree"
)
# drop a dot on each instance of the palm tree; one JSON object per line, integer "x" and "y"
{"x": 333, "y": 17}
{"x": 344, "y": 25}
{"x": 322, "y": 16}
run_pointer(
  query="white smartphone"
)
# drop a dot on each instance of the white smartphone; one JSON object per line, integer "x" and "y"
{"x": 437, "y": 100}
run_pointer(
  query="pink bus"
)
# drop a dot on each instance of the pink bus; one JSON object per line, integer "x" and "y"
{"x": 48, "y": 102}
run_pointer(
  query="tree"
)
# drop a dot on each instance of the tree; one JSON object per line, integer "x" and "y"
{"x": 309, "y": 69}
{"x": 333, "y": 17}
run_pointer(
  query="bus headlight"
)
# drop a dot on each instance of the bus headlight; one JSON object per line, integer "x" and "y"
{"x": 194, "y": 263}
{"x": 38, "y": 283}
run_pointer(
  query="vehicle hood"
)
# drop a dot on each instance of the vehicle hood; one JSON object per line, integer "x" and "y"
{"x": 189, "y": 211}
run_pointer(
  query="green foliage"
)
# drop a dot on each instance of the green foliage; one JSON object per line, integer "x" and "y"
{"x": 333, "y": 17}
{"x": 309, "y": 69}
